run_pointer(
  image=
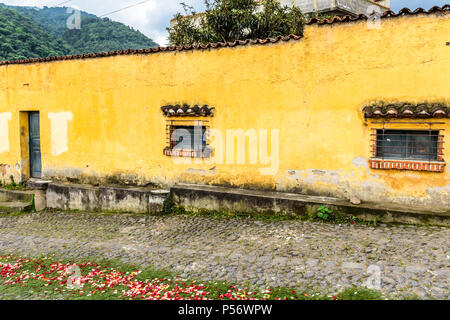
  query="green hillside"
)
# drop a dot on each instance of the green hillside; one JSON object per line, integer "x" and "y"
{"x": 21, "y": 38}
{"x": 27, "y": 32}
{"x": 105, "y": 35}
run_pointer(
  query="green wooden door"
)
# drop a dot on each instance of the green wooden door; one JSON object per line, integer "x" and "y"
{"x": 35, "y": 145}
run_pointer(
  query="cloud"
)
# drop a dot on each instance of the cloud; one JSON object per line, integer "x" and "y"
{"x": 153, "y": 17}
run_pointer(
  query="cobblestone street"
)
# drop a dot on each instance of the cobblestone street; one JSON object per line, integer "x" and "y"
{"x": 409, "y": 260}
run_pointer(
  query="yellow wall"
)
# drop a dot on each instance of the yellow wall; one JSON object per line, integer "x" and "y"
{"x": 312, "y": 90}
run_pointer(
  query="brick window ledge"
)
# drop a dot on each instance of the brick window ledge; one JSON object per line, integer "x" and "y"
{"x": 187, "y": 153}
{"x": 415, "y": 165}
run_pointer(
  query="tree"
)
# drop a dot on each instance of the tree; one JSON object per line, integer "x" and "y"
{"x": 231, "y": 20}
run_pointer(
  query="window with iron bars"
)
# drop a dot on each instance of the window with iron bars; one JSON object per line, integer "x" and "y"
{"x": 187, "y": 140}
{"x": 408, "y": 149}
{"x": 408, "y": 145}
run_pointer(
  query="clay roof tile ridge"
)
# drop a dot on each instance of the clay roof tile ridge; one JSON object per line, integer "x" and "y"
{"x": 389, "y": 13}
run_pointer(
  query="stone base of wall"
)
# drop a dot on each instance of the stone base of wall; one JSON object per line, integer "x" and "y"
{"x": 195, "y": 197}
{"x": 17, "y": 201}
{"x": 66, "y": 196}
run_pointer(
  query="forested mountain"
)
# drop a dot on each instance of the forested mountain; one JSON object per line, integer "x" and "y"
{"x": 105, "y": 35}
{"x": 27, "y": 32}
{"x": 21, "y": 38}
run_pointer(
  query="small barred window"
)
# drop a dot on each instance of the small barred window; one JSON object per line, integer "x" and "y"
{"x": 407, "y": 145}
{"x": 185, "y": 140}
{"x": 418, "y": 150}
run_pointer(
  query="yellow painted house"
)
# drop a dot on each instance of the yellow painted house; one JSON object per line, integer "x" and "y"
{"x": 349, "y": 109}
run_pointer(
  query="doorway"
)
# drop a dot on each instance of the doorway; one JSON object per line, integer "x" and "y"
{"x": 35, "y": 145}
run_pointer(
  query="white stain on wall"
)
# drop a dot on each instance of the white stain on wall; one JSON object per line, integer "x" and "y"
{"x": 59, "y": 132}
{"x": 4, "y": 131}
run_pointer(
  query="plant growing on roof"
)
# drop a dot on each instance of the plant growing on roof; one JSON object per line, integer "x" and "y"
{"x": 231, "y": 20}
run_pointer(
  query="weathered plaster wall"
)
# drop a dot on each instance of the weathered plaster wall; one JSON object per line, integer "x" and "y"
{"x": 109, "y": 126}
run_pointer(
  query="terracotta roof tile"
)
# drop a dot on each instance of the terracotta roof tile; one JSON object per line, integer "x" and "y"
{"x": 155, "y": 50}
{"x": 217, "y": 45}
{"x": 389, "y": 13}
{"x": 407, "y": 110}
{"x": 187, "y": 111}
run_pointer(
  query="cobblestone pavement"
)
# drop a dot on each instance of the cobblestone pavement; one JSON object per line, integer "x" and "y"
{"x": 403, "y": 260}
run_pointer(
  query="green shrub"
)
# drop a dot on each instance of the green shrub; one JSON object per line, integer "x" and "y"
{"x": 324, "y": 213}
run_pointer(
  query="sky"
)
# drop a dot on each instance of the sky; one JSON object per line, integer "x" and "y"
{"x": 152, "y": 17}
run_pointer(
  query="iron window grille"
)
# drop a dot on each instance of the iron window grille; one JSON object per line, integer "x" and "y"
{"x": 410, "y": 145}
{"x": 187, "y": 138}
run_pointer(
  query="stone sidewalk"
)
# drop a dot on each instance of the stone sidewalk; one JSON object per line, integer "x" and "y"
{"x": 402, "y": 260}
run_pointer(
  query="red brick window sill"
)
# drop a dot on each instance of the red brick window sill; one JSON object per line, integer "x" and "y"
{"x": 430, "y": 166}
{"x": 187, "y": 153}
